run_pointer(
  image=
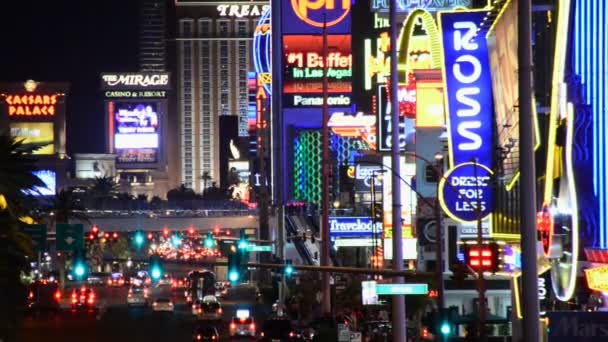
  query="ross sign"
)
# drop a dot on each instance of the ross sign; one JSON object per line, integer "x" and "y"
{"x": 597, "y": 278}
{"x": 310, "y": 16}
{"x": 468, "y": 88}
{"x": 405, "y": 6}
{"x": 353, "y": 227}
{"x": 369, "y": 296}
{"x": 37, "y": 232}
{"x": 463, "y": 189}
{"x": 580, "y": 326}
{"x": 241, "y": 11}
{"x": 402, "y": 289}
{"x": 69, "y": 237}
{"x": 131, "y": 81}
{"x": 304, "y": 63}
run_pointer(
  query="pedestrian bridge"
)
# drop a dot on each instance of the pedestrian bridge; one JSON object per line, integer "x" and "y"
{"x": 150, "y": 220}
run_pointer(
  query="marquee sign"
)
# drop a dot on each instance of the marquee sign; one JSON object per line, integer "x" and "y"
{"x": 353, "y": 227}
{"x": 465, "y": 188}
{"x": 468, "y": 87}
{"x": 131, "y": 81}
{"x": 241, "y": 11}
{"x": 31, "y": 105}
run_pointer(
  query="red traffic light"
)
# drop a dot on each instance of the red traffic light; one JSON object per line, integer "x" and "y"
{"x": 106, "y": 235}
{"x": 92, "y": 236}
{"x": 216, "y": 230}
{"x": 95, "y": 230}
{"x": 484, "y": 258}
{"x": 115, "y": 236}
{"x": 191, "y": 231}
{"x": 165, "y": 232}
{"x": 150, "y": 236}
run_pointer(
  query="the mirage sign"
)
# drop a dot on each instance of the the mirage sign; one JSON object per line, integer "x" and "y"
{"x": 134, "y": 81}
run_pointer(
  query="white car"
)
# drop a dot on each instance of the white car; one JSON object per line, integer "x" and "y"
{"x": 137, "y": 296}
{"x": 162, "y": 304}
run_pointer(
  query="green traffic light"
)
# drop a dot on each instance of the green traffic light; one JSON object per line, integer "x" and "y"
{"x": 288, "y": 270}
{"x": 156, "y": 273}
{"x": 233, "y": 276}
{"x": 139, "y": 238}
{"x": 79, "y": 270}
{"x": 445, "y": 328}
{"x": 209, "y": 241}
{"x": 242, "y": 244}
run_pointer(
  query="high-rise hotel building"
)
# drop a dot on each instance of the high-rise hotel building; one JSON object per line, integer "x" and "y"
{"x": 214, "y": 53}
{"x": 153, "y": 35}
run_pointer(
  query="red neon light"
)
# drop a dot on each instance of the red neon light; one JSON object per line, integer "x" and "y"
{"x": 545, "y": 226}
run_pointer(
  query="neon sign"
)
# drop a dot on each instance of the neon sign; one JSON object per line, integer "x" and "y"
{"x": 429, "y": 5}
{"x": 463, "y": 189}
{"x": 241, "y": 11}
{"x": 597, "y": 278}
{"x": 306, "y": 10}
{"x": 31, "y": 105}
{"x": 261, "y": 48}
{"x": 467, "y": 72}
{"x": 132, "y": 80}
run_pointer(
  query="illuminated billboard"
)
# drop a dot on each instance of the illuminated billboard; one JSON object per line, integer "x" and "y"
{"x": 135, "y": 127}
{"x": 502, "y": 47}
{"x": 303, "y": 71}
{"x": 35, "y": 133}
{"x": 408, "y": 198}
{"x": 407, "y": 130}
{"x": 49, "y": 178}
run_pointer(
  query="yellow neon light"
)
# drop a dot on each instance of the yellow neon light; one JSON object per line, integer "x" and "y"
{"x": 541, "y": 270}
{"x": 406, "y": 34}
{"x": 597, "y": 278}
{"x": 559, "y": 64}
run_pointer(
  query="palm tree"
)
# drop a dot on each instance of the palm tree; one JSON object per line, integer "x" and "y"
{"x": 17, "y": 166}
{"x": 65, "y": 206}
{"x": 102, "y": 189}
{"x": 206, "y": 178}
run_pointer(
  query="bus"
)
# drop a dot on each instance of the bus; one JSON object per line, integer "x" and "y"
{"x": 199, "y": 285}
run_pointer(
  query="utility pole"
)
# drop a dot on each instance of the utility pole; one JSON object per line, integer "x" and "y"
{"x": 439, "y": 237}
{"x": 529, "y": 266}
{"x": 326, "y": 286}
{"x": 481, "y": 322}
{"x": 264, "y": 233}
{"x": 398, "y": 322}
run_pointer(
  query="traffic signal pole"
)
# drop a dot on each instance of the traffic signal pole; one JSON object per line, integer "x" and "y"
{"x": 529, "y": 263}
{"x": 398, "y": 302}
{"x": 481, "y": 321}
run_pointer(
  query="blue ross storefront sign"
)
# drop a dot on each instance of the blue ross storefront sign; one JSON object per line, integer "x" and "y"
{"x": 463, "y": 189}
{"x": 353, "y": 227}
{"x": 468, "y": 87}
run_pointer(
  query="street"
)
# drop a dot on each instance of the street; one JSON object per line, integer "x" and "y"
{"x": 118, "y": 322}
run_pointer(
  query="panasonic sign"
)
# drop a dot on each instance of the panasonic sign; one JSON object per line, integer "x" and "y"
{"x": 468, "y": 87}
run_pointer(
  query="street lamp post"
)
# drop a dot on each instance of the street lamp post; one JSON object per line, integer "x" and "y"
{"x": 439, "y": 237}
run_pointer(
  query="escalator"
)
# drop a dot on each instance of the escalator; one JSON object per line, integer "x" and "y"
{"x": 300, "y": 246}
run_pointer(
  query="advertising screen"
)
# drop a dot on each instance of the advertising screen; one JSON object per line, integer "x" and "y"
{"x": 303, "y": 71}
{"x": 136, "y": 131}
{"x": 502, "y": 49}
{"x": 49, "y": 178}
{"x": 407, "y": 128}
{"x": 35, "y": 132}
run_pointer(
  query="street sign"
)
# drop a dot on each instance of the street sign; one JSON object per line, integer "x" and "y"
{"x": 402, "y": 289}
{"x": 255, "y": 248}
{"x": 69, "y": 237}
{"x": 37, "y": 232}
{"x": 343, "y": 333}
{"x": 369, "y": 296}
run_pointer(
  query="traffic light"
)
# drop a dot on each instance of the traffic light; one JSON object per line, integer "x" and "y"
{"x": 79, "y": 269}
{"x": 483, "y": 258}
{"x": 445, "y": 328}
{"x": 139, "y": 239}
{"x": 115, "y": 236}
{"x": 210, "y": 241}
{"x": 150, "y": 236}
{"x": 191, "y": 231}
{"x": 242, "y": 243}
{"x": 156, "y": 268}
{"x": 288, "y": 270}
{"x": 176, "y": 240}
{"x": 166, "y": 232}
{"x": 234, "y": 268}
{"x": 216, "y": 230}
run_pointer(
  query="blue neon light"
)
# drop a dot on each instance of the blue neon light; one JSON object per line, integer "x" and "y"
{"x": 261, "y": 47}
{"x": 469, "y": 87}
{"x": 590, "y": 44}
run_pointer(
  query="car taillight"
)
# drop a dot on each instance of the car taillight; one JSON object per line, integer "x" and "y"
{"x": 31, "y": 295}
{"x": 219, "y": 311}
{"x": 91, "y": 300}
{"x": 252, "y": 326}
{"x": 200, "y": 311}
{"x": 198, "y": 337}
{"x": 193, "y": 306}
{"x": 74, "y": 300}
{"x": 154, "y": 304}
{"x": 170, "y": 304}
{"x": 232, "y": 326}
{"x": 214, "y": 337}
{"x": 110, "y": 282}
{"x": 262, "y": 334}
{"x": 57, "y": 295}
{"x": 73, "y": 295}
{"x": 291, "y": 334}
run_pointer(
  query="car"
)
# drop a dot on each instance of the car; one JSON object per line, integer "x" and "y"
{"x": 137, "y": 296}
{"x": 279, "y": 329}
{"x": 116, "y": 279}
{"x": 206, "y": 333}
{"x": 242, "y": 326}
{"x": 162, "y": 304}
{"x": 44, "y": 296}
{"x": 83, "y": 299}
{"x": 209, "y": 308}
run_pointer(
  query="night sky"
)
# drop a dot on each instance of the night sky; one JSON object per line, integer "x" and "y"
{"x": 70, "y": 41}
